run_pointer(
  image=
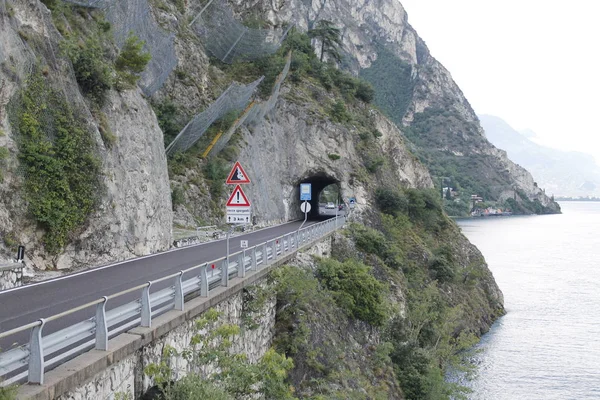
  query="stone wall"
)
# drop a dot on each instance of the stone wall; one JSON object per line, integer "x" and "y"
{"x": 118, "y": 373}
{"x": 11, "y": 275}
{"x": 116, "y": 382}
{"x": 254, "y": 343}
{"x": 125, "y": 379}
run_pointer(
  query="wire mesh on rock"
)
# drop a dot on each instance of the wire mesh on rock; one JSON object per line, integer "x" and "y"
{"x": 234, "y": 98}
{"x": 16, "y": 57}
{"x": 227, "y": 39}
{"x": 135, "y": 16}
{"x": 254, "y": 113}
{"x": 259, "y": 111}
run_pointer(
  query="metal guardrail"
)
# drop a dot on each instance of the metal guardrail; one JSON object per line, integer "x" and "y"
{"x": 29, "y": 362}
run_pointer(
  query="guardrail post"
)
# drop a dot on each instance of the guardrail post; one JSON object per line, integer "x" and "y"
{"x": 179, "y": 291}
{"x": 101, "y": 326}
{"x": 146, "y": 309}
{"x": 36, "y": 355}
{"x": 225, "y": 273}
{"x": 265, "y": 255}
{"x": 203, "y": 281}
{"x": 242, "y": 265}
{"x": 253, "y": 261}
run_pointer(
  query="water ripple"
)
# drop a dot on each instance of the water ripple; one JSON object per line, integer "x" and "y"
{"x": 547, "y": 346}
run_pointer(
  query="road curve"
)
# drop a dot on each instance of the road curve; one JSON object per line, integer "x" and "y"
{"x": 20, "y": 306}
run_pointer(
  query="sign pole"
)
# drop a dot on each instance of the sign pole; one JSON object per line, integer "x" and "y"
{"x": 305, "y": 215}
{"x": 337, "y": 206}
{"x": 228, "y": 236}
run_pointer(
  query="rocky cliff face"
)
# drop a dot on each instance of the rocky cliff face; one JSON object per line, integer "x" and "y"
{"x": 133, "y": 215}
{"x": 298, "y": 144}
{"x": 415, "y": 91}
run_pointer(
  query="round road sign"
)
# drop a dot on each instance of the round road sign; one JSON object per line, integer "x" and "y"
{"x": 305, "y": 207}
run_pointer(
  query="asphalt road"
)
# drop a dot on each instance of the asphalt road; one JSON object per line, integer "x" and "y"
{"x": 29, "y": 303}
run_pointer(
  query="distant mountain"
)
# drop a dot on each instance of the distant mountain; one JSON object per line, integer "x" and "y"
{"x": 562, "y": 173}
{"x": 528, "y": 133}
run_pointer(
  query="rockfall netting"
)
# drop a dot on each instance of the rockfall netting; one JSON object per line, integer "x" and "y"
{"x": 235, "y": 98}
{"x": 16, "y": 57}
{"x": 227, "y": 39}
{"x": 135, "y": 16}
{"x": 252, "y": 115}
{"x": 259, "y": 110}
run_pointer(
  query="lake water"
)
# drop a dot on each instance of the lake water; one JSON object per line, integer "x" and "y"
{"x": 548, "y": 267}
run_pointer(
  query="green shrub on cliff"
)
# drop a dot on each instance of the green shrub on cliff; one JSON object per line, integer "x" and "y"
{"x": 131, "y": 62}
{"x": 234, "y": 377}
{"x": 58, "y": 155}
{"x": 354, "y": 289}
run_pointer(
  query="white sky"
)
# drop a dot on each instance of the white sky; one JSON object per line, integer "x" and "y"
{"x": 533, "y": 63}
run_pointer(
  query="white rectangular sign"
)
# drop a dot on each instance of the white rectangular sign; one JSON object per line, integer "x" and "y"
{"x": 238, "y": 215}
{"x": 244, "y": 244}
{"x": 237, "y": 219}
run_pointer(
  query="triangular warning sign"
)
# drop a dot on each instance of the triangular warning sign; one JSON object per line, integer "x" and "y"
{"x": 238, "y": 198}
{"x": 237, "y": 176}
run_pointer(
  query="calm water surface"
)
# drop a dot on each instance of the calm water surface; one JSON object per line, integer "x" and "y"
{"x": 548, "y": 267}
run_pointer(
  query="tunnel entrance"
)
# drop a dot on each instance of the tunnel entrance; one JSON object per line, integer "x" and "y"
{"x": 326, "y": 196}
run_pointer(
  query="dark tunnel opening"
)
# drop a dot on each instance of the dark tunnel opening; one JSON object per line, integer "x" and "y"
{"x": 326, "y": 195}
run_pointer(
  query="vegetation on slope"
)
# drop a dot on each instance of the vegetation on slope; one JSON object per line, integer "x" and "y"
{"x": 332, "y": 93}
{"x": 432, "y": 299}
{"x": 59, "y": 158}
{"x": 233, "y": 377}
{"x": 451, "y": 148}
{"x": 393, "y": 83}
{"x": 57, "y": 150}
{"x": 395, "y": 306}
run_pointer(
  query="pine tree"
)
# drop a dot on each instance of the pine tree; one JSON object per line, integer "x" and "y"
{"x": 330, "y": 37}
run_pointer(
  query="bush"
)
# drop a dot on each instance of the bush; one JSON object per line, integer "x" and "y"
{"x": 354, "y": 289}
{"x": 93, "y": 72}
{"x": 373, "y": 163}
{"x": 168, "y": 119}
{"x": 215, "y": 171}
{"x": 131, "y": 62}
{"x": 339, "y": 113}
{"x": 234, "y": 377}
{"x": 365, "y": 91}
{"x": 58, "y": 155}
{"x": 441, "y": 268}
{"x": 424, "y": 207}
{"x": 195, "y": 387}
{"x": 391, "y": 201}
{"x": 333, "y": 156}
{"x": 368, "y": 240}
{"x": 177, "y": 197}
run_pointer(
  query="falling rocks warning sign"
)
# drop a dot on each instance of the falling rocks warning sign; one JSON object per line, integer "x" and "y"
{"x": 237, "y": 176}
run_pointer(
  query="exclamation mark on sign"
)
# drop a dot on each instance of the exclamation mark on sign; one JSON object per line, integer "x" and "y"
{"x": 238, "y": 197}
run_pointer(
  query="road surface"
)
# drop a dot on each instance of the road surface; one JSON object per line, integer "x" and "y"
{"x": 29, "y": 303}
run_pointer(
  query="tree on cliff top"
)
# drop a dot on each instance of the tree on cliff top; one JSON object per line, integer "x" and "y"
{"x": 330, "y": 38}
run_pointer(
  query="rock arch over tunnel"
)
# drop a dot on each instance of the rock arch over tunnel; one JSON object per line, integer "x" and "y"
{"x": 319, "y": 181}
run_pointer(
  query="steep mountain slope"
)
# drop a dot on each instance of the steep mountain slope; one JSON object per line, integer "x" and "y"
{"x": 561, "y": 173}
{"x": 86, "y": 166}
{"x": 131, "y": 212}
{"x": 418, "y": 94}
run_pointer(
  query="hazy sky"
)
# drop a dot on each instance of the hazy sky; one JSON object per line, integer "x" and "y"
{"x": 533, "y": 63}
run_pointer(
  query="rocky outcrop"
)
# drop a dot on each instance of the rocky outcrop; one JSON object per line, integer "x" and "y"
{"x": 298, "y": 145}
{"x": 134, "y": 215}
{"x": 376, "y": 29}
